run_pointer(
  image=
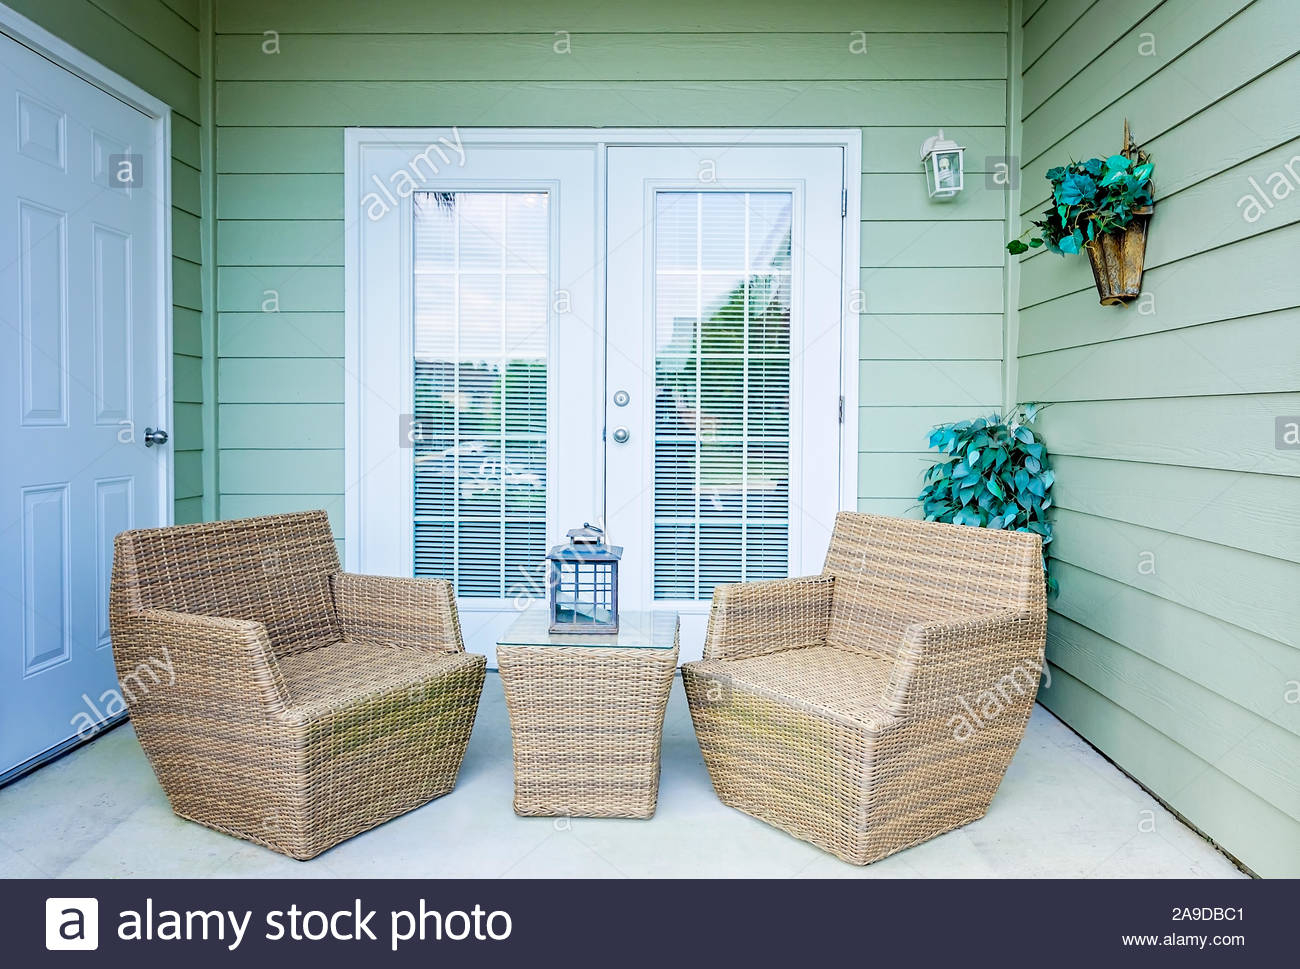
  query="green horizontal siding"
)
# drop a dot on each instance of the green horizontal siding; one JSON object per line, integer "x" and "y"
{"x": 938, "y": 336}
{"x": 1231, "y": 282}
{"x": 1236, "y": 817}
{"x": 309, "y": 380}
{"x": 1177, "y": 631}
{"x": 1254, "y": 512}
{"x": 735, "y": 103}
{"x": 1236, "y": 53}
{"x": 932, "y": 243}
{"x": 668, "y": 16}
{"x": 293, "y": 149}
{"x": 621, "y": 56}
{"x": 932, "y": 273}
{"x": 284, "y": 334}
{"x": 263, "y": 471}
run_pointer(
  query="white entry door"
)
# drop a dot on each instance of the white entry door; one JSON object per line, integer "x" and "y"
{"x": 83, "y": 354}
{"x": 552, "y": 328}
{"x": 723, "y": 401}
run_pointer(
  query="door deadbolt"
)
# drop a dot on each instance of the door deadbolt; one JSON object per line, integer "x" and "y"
{"x": 621, "y": 435}
{"x": 621, "y": 398}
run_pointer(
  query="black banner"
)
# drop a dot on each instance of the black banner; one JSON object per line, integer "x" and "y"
{"x": 491, "y": 923}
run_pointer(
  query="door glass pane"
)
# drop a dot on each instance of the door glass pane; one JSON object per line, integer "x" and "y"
{"x": 722, "y": 400}
{"x": 479, "y": 428}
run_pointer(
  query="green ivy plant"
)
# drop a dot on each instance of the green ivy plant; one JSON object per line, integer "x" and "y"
{"x": 1090, "y": 199}
{"x": 993, "y": 473}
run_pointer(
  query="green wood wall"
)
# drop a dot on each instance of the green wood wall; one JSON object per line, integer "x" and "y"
{"x": 1177, "y": 634}
{"x": 155, "y": 44}
{"x": 933, "y": 273}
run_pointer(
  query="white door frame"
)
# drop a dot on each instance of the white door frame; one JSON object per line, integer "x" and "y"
{"x": 357, "y": 139}
{"x": 35, "y": 37}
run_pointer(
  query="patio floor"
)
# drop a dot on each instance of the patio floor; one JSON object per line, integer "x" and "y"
{"x": 1063, "y": 811}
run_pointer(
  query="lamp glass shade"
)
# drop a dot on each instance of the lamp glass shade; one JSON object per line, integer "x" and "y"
{"x": 943, "y": 163}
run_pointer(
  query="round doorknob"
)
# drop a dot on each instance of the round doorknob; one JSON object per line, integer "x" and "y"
{"x": 154, "y": 436}
{"x": 621, "y": 435}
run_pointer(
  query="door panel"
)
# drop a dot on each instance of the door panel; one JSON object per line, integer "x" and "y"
{"x": 723, "y": 368}
{"x": 81, "y": 341}
{"x": 480, "y": 404}
{"x": 721, "y": 423}
{"x": 479, "y": 345}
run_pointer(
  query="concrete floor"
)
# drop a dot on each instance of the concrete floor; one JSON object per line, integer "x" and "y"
{"x": 1063, "y": 811}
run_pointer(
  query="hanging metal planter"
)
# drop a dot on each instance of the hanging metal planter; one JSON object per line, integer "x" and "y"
{"x": 1102, "y": 207}
{"x": 1117, "y": 259}
{"x": 1117, "y": 263}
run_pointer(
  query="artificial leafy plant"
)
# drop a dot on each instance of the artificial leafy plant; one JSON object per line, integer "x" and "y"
{"x": 1090, "y": 199}
{"x": 993, "y": 473}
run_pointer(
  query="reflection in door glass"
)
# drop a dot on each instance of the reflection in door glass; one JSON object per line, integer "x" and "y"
{"x": 722, "y": 398}
{"x": 479, "y": 429}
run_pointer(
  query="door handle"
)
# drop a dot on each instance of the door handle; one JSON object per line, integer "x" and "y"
{"x": 621, "y": 435}
{"x": 154, "y": 436}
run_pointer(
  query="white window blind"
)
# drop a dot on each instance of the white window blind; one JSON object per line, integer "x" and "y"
{"x": 722, "y": 404}
{"x": 479, "y": 369}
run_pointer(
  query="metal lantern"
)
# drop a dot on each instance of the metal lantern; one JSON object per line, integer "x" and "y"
{"x": 942, "y": 160}
{"x": 583, "y": 583}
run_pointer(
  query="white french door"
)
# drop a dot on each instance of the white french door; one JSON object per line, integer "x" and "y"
{"x": 723, "y": 364}
{"x": 473, "y": 348}
{"x": 85, "y": 351}
{"x": 551, "y": 328}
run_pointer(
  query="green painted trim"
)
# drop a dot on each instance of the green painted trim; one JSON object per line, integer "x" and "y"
{"x": 1011, "y": 206}
{"x": 208, "y": 245}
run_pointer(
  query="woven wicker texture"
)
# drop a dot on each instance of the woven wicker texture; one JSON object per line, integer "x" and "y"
{"x": 307, "y": 705}
{"x": 878, "y": 705}
{"x": 587, "y": 724}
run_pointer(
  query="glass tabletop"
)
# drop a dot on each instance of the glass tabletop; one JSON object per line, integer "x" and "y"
{"x": 636, "y": 630}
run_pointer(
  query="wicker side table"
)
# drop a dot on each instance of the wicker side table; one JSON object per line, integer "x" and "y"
{"x": 587, "y": 714}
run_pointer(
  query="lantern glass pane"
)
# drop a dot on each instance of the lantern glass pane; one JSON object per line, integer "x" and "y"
{"x": 948, "y": 170}
{"x": 943, "y": 173}
{"x": 584, "y": 594}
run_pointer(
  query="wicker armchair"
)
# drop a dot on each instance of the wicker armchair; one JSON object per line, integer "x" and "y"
{"x": 877, "y": 705}
{"x": 303, "y": 705}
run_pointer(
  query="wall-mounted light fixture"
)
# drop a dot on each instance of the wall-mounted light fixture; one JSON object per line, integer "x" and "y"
{"x": 942, "y": 161}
